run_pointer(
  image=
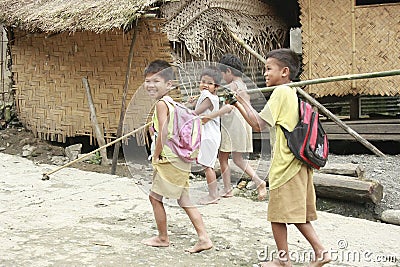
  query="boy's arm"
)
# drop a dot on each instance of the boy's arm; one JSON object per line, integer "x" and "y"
{"x": 162, "y": 117}
{"x": 225, "y": 109}
{"x": 243, "y": 94}
{"x": 250, "y": 114}
{"x": 203, "y": 106}
{"x": 191, "y": 103}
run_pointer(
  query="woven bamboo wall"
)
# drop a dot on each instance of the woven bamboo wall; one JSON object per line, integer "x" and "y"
{"x": 378, "y": 47}
{"x": 51, "y": 99}
{"x": 338, "y": 41}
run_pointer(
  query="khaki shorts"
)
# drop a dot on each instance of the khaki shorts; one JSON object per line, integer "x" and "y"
{"x": 294, "y": 202}
{"x": 171, "y": 179}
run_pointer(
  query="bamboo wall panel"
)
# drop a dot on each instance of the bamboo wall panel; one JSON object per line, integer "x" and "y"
{"x": 48, "y": 72}
{"x": 330, "y": 35}
{"x": 326, "y": 35}
{"x": 378, "y": 47}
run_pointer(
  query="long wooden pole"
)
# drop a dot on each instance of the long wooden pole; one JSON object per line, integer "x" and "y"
{"x": 46, "y": 176}
{"x": 347, "y": 77}
{"x": 123, "y": 105}
{"x": 329, "y": 114}
{"x": 315, "y": 102}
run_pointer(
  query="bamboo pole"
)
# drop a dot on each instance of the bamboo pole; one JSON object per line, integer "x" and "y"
{"x": 247, "y": 47}
{"x": 122, "y": 114}
{"x": 96, "y": 128}
{"x": 315, "y": 102}
{"x": 340, "y": 123}
{"x": 347, "y": 77}
{"x": 46, "y": 176}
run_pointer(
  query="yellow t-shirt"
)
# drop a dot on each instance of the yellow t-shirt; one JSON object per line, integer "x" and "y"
{"x": 166, "y": 152}
{"x": 281, "y": 109}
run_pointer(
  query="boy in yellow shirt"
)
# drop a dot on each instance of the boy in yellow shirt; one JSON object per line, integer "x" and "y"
{"x": 171, "y": 174}
{"x": 292, "y": 195}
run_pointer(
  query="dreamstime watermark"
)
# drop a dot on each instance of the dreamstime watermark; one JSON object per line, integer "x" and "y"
{"x": 341, "y": 254}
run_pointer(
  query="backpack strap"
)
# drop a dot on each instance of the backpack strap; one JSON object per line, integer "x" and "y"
{"x": 170, "y": 104}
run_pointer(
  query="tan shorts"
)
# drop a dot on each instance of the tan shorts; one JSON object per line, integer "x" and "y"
{"x": 294, "y": 202}
{"x": 171, "y": 179}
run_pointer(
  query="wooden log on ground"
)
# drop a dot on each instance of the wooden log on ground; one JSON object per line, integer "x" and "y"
{"x": 347, "y": 169}
{"x": 347, "y": 188}
{"x": 391, "y": 216}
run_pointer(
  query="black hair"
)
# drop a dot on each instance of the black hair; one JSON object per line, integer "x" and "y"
{"x": 287, "y": 58}
{"x": 233, "y": 63}
{"x": 214, "y": 73}
{"x": 162, "y": 68}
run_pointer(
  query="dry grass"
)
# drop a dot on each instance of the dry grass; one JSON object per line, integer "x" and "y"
{"x": 72, "y": 15}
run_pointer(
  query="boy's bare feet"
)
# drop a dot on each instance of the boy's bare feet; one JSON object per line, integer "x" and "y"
{"x": 226, "y": 193}
{"x": 262, "y": 190}
{"x": 208, "y": 200}
{"x": 275, "y": 263}
{"x": 156, "y": 241}
{"x": 200, "y": 246}
{"x": 321, "y": 260}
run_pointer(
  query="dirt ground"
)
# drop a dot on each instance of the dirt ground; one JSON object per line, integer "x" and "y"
{"x": 384, "y": 170}
{"x": 80, "y": 218}
{"x": 83, "y": 216}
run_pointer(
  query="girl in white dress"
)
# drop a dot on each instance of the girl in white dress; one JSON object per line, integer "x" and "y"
{"x": 208, "y": 103}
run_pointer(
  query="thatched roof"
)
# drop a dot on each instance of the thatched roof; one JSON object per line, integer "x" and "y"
{"x": 72, "y": 15}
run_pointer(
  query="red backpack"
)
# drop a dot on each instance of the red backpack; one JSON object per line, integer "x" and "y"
{"x": 308, "y": 140}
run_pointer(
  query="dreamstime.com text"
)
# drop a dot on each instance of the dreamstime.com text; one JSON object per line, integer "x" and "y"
{"x": 341, "y": 254}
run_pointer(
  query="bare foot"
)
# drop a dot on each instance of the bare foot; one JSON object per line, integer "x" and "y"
{"x": 321, "y": 260}
{"x": 226, "y": 193}
{"x": 155, "y": 241}
{"x": 274, "y": 263}
{"x": 208, "y": 200}
{"x": 200, "y": 246}
{"x": 262, "y": 191}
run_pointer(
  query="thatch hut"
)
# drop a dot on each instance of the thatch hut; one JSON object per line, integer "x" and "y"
{"x": 55, "y": 43}
{"x": 348, "y": 37}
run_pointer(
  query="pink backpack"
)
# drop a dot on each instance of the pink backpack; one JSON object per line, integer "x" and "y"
{"x": 185, "y": 138}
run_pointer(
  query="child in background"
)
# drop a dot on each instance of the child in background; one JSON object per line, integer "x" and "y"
{"x": 171, "y": 174}
{"x": 292, "y": 195}
{"x": 208, "y": 103}
{"x": 236, "y": 134}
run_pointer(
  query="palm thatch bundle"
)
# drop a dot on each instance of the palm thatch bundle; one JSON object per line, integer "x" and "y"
{"x": 201, "y": 30}
{"x": 71, "y": 15}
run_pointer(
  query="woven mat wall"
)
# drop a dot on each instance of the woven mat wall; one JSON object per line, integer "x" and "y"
{"x": 328, "y": 44}
{"x": 378, "y": 47}
{"x": 51, "y": 99}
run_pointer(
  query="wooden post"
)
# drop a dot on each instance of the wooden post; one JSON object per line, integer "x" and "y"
{"x": 355, "y": 107}
{"x": 123, "y": 106}
{"x": 96, "y": 128}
